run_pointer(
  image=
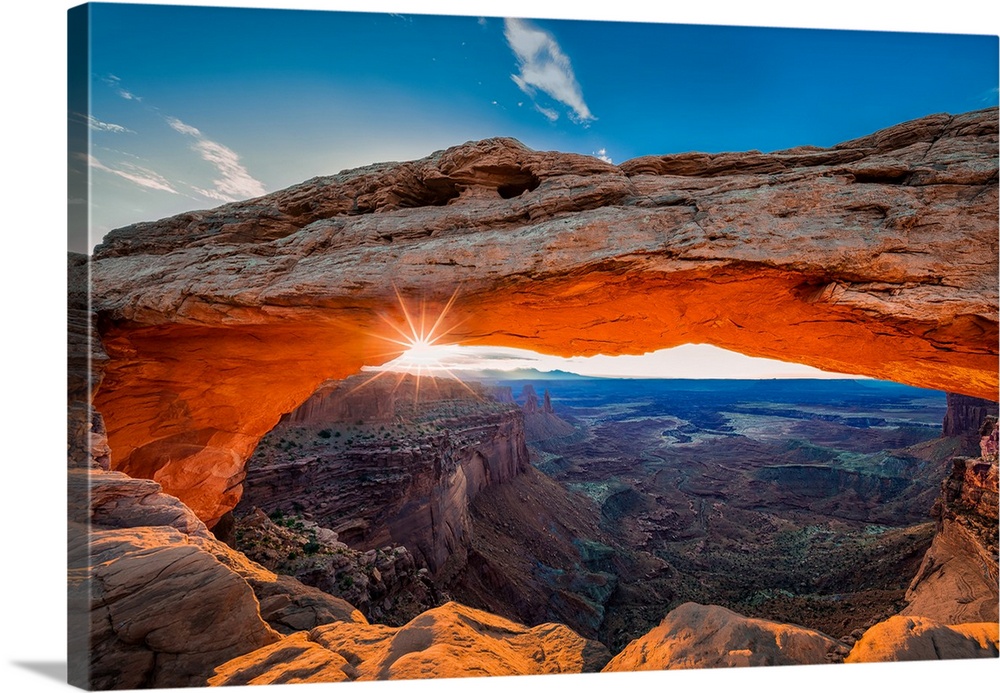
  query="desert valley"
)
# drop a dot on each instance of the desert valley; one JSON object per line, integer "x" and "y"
{"x": 250, "y": 502}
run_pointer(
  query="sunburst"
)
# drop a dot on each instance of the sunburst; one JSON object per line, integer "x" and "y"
{"x": 424, "y": 346}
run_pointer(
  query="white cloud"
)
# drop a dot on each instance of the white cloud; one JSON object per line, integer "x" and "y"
{"x": 547, "y": 112}
{"x": 137, "y": 174}
{"x": 482, "y": 21}
{"x": 602, "y": 154}
{"x": 115, "y": 82}
{"x": 235, "y": 182}
{"x": 183, "y": 128}
{"x": 99, "y": 126}
{"x": 544, "y": 67}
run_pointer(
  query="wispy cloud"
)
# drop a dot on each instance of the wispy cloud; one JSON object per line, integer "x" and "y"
{"x": 549, "y": 113}
{"x": 234, "y": 182}
{"x": 99, "y": 126}
{"x": 115, "y": 83}
{"x": 136, "y": 174}
{"x": 544, "y": 67}
{"x": 602, "y": 154}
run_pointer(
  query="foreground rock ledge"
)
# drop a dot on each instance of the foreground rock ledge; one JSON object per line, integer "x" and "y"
{"x": 877, "y": 257}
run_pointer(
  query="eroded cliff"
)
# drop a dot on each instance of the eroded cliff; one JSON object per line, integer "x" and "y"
{"x": 390, "y": 462}
{"x": 877, "y": 256}
{"x": 958, "y": 579}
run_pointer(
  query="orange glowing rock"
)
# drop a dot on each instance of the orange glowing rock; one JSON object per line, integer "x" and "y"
{"x": 694, "y": 636}
{"x": 876, "y": 257}
{"x": 913, "y": 638}
{"x": 449, "y": 641}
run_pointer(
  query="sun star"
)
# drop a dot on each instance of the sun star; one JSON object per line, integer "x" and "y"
{"x": 423, "y": 347}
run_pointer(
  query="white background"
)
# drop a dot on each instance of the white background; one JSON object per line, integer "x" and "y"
{"x": 33, "y": 631}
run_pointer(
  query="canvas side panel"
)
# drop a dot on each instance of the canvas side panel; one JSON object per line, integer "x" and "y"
{"x": 80, "y": 381}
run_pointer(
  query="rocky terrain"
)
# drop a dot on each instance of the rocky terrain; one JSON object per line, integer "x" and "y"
{"x": 829, "y": 257}
{"x": 805, "y": 503}
{"x": 958, "y": 579}
{"x": 387, "y": 469}
{"x": 350, "y": 478}
{"x": 695, "y": 636}
{"x": 204, "y": 329}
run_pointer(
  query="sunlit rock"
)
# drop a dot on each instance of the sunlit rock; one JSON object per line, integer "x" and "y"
{"x": 875, "y": 257}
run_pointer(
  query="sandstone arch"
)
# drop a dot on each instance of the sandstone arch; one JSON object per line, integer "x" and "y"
{"x": 877, "y": 256}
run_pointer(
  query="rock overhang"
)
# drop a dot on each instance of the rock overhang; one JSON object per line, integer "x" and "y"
{"x": 878, "y": 257}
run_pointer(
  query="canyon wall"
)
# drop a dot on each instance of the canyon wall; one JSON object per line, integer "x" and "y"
{"x": 877, "y": 256}
{"x": 965, "y": 415}
{"x": 372, "y": 462}
{"x": 958, "y": 579}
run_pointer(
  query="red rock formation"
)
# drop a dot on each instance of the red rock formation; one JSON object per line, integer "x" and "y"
{"x": 965, "y": 415}
{"x": 877, "y": 256}
{"x": 697, "y": 636}
{"x": 379, "y": 467}
{"x": 447, "y": 642}
{"x": 909, "y": 639}
{"x": 958, "y": 579}
{"x": 530, "y": 398}
{"x": 157, "y": 601}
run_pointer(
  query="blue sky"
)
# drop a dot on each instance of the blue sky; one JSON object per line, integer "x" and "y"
{"x": 195, "y": 106}
{"x": 191, "y": 107}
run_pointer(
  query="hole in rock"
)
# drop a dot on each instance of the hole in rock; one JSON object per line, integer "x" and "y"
{"x": 526, "y": 183}
{"x": 578, "y": 491}
{"x": 882, "y": 177}
{"x": 434, "y": 193}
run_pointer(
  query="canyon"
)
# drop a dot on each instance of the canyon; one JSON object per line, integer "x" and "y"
{"x": 876, "y": 257}
{"x": 191, "y": 337}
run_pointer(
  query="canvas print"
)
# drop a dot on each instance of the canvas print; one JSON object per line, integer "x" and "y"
{"x": 424, "y": 346}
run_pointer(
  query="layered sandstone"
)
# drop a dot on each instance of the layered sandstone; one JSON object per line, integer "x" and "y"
{"x": 877, "y": 256}
{"x": 378, "y": 466}
{"x": 698, "y": 636}
{"x": 447, "y": 642}
{"x": 157, "y": 601}
{"x": 958, "y": 581}
{"x": 965, "y": 415}
{"x": 910, "y": 639}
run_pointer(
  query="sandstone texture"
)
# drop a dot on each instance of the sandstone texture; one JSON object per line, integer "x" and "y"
{"x": 163, "y": 612}
{"x": 958, "y": 581}
{"x": 449, "y": 641}
{"x": 912, "y": 638}
{"x": 877, "y": 256}
{"x": 695, "y": 636}
{"x": 157, "y": 601}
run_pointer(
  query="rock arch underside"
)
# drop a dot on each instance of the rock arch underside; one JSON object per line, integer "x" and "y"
{"x": 877, "y": 256}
